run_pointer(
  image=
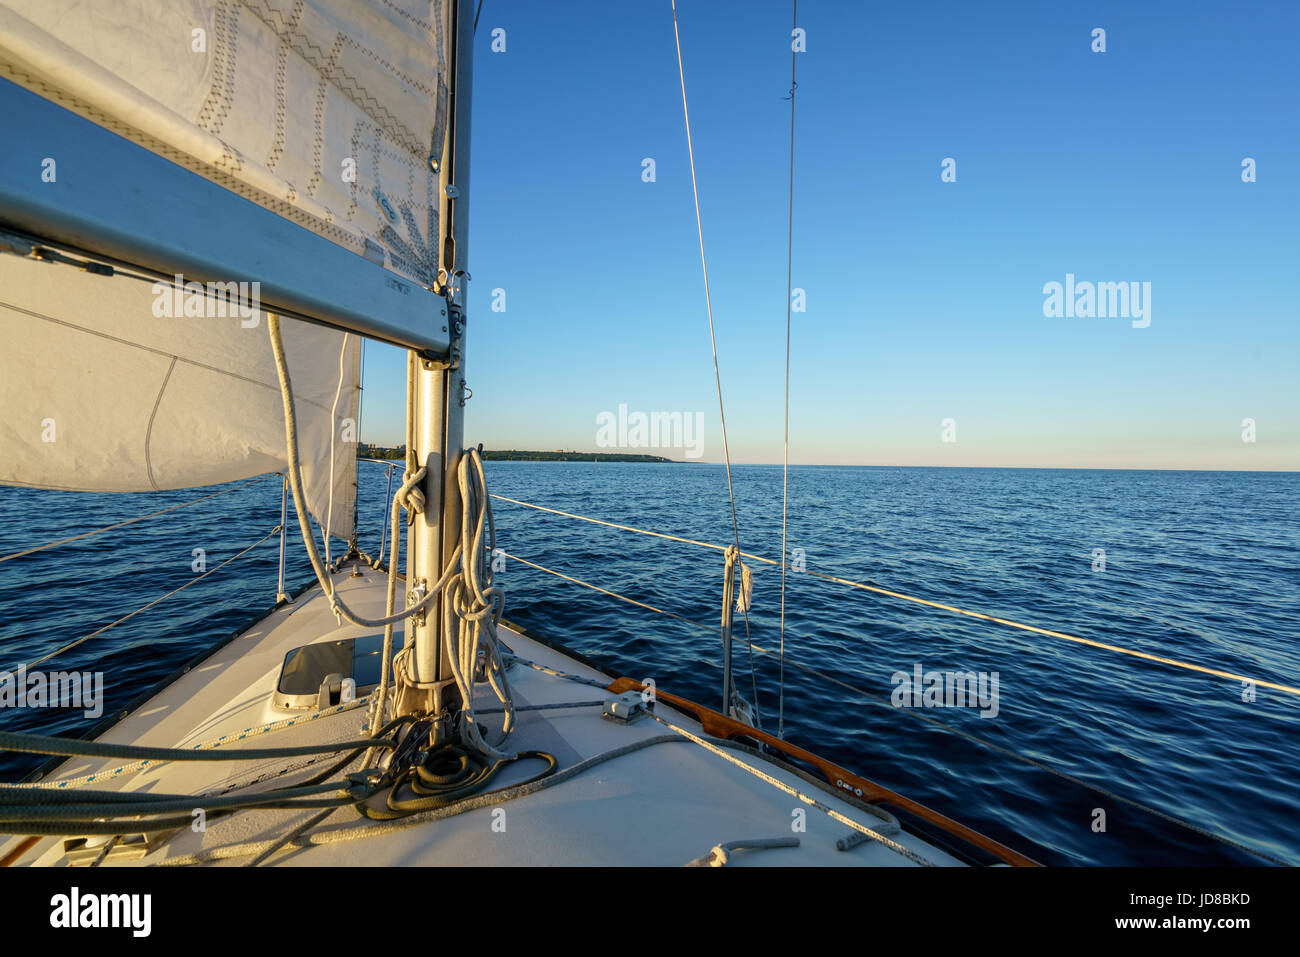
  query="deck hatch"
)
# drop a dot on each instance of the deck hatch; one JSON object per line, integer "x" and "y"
{"x": 308, "y": 667}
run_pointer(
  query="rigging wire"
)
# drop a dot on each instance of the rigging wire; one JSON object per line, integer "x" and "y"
{"x": 789, "y": 291}
{"x": 132, "y": 521}
{"x": 630, "y": 601}
{"x": 99, "y": 631}
{"x": 941, "y": 725}
{"x": 1025, "y": 759}
{"x": 1232, "y": 676}
{"x": 713, "y": 342}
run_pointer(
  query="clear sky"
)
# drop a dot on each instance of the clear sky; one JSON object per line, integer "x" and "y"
{"x": 925, "y": 299}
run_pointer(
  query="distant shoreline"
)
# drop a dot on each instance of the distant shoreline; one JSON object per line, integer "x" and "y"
{"x": 382, "y": 453}
{"x": 517, "y": 455}
{"x": 513, "y": 455}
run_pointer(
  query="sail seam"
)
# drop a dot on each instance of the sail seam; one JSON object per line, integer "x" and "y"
{"x": 158, "y": 352}
{"x": 148, "y": 435}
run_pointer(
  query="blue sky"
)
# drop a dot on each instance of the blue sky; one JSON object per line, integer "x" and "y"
{"x": 924, "y": 298}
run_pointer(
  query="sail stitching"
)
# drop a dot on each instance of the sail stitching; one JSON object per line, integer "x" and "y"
{"x": 281, "y": 91}
{"x": 324, "y": 63}
{"x": 216, "y": 105}
{"x": 231, "y": 162}
{"x": 354, "y": 241}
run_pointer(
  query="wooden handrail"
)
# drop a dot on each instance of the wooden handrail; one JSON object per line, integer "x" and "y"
{"x": 19, "y": 851}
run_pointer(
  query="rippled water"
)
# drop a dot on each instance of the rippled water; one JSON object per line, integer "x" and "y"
{"x": 1199, "y": 566}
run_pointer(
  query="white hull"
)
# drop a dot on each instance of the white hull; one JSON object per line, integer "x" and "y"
{"x": 666, "y": 804}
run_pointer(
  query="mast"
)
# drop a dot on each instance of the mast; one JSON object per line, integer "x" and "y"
{"x": 439, "y": 388}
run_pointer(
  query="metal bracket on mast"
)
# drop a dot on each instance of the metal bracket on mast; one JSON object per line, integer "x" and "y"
{"x": 456, "y": 323}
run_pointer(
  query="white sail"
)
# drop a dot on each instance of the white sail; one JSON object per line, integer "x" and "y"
{"x": 329, "y": 114}
{"x": 326, "y": 112}
{"x": 101, "y": 394}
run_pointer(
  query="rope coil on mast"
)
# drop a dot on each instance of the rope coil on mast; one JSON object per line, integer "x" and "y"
{"x": 472, "y": 605}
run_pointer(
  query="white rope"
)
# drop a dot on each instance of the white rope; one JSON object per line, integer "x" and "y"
{"x": 337, "y": 605}
{"x": 329, "y": 509}
{"x": 410, "y": 497}
{"x": 471, "y": 607}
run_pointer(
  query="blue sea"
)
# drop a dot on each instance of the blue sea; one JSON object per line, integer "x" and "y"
{"x": 1203, "y": 567}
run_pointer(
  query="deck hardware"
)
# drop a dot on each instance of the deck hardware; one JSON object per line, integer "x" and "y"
{"x": 408, "y": 750}
{"x": 735, "y": 597}
{"x": 721, "y": 854}
{"x": 331, "y": 691}
{"x": 81, "y": 852}
{"x": 626, "y": 708}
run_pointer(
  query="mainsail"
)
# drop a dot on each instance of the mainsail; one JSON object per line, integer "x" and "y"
{"x": 329, "y": 114}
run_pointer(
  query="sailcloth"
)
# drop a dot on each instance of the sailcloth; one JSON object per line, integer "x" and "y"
{"x": 330, "y": 113}
{"x": 101, "y": 395}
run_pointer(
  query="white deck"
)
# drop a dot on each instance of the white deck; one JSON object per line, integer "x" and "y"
{"x": 664, "y": 805}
